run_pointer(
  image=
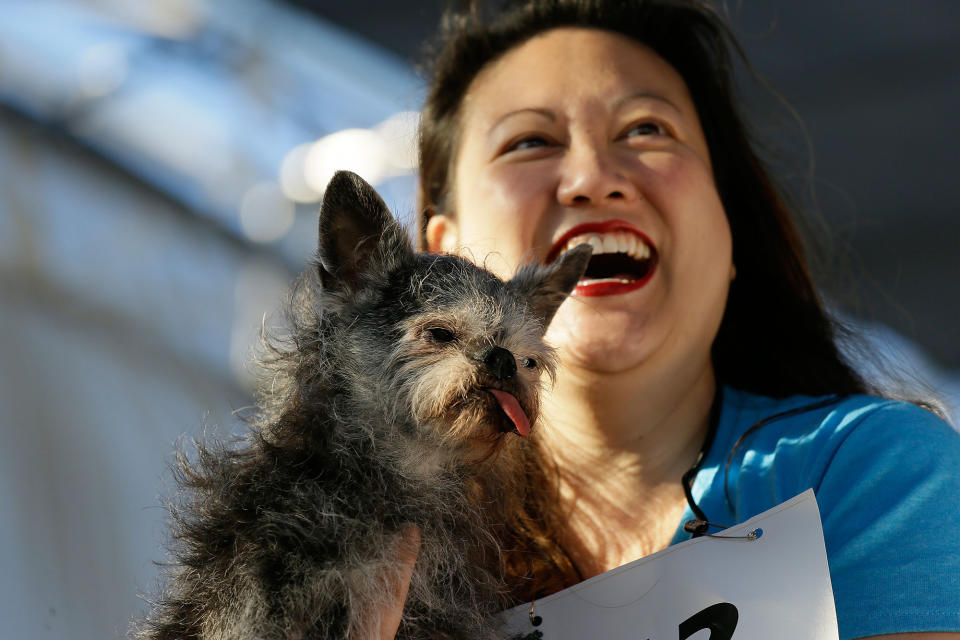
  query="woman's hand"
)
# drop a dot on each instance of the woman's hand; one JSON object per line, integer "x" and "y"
{"x": 407, "y": 549}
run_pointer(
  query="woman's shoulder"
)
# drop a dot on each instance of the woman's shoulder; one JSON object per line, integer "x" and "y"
{"x": 887, "y": 479}
{"x": 817, "y": 419}
{"x": 835, "y": 443}
{"x": 888, "y": 487}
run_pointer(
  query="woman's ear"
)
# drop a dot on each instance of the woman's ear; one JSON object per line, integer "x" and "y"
{"x": 442, "y": 234}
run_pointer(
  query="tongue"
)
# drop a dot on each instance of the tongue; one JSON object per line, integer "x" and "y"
{"x": 513, "y": 410}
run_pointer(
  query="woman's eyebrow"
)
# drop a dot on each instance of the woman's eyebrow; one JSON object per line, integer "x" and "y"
{"x": 644, "y": 95}
{"x": 619, "y": 104}
{"x": 546, "y": 113}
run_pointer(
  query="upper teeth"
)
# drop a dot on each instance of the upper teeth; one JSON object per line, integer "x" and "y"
{"x": 614, "y": 242}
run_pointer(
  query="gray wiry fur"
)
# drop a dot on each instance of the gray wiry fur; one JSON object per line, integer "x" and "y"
{"x": 375, "y": 416}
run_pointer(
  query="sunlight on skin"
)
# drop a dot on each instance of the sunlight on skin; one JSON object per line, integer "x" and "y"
{"x": 408, "y": 547}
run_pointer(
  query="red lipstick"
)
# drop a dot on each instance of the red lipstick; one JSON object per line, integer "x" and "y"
{"x": 609, "y": 285}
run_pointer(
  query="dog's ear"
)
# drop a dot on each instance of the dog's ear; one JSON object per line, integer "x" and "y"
{"x": 358, "y": 236}
{"x": 546, "y": 286}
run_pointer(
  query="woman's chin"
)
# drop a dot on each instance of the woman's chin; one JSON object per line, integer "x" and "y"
{"x": 610, "y": 342}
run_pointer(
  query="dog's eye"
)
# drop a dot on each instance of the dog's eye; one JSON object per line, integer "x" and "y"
{"x": 529, "y": 363}
{"x": 439, "y": 334}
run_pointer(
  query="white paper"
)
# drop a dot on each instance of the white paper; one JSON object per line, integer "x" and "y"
{"x": 777, "y": 586}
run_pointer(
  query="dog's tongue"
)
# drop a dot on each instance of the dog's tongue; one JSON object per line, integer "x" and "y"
{"x": 513, "y": 410}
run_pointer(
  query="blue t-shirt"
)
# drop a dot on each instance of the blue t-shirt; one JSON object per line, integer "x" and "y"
{"x": 887, "y": 478}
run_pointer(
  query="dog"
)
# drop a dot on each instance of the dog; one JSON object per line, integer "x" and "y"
{"x": 403, "y": 381}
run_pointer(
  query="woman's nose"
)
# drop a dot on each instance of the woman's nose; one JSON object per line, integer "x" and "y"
{"x": 591, "y": 176}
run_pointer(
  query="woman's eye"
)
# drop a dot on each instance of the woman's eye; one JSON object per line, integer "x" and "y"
{"x": 645, "y": 129}
{"x": 439, "y": 334}
{"x": 531, "y": 142}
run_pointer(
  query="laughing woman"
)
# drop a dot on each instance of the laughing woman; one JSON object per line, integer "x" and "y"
{"x": 697, "y": 331}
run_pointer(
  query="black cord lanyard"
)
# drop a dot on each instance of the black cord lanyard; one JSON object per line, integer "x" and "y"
{"x": 691, "y": 473}
{"x": 702, "y": 524}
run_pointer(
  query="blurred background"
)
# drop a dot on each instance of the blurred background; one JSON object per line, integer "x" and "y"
{"x": 160, "y": 168}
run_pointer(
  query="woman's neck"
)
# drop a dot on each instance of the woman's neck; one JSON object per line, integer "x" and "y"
{"x": 621, "y": 448}
{"x": 655, "y": 424}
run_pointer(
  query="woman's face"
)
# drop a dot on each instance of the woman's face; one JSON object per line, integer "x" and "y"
{"x": 583, "y": 135}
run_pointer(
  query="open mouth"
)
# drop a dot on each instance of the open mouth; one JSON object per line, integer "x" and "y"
{"x": 623, "y": 258}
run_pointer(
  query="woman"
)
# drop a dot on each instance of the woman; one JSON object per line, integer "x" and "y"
{"x": 703, "y": 344}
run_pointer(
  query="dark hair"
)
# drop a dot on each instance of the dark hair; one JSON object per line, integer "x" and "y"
{"x": 776, "y": 338}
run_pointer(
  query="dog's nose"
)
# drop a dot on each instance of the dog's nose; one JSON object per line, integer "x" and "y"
{"x": 500, "y": 363}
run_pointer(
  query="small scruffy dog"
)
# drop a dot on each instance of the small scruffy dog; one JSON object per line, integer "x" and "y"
{"x": 389, "y": 401}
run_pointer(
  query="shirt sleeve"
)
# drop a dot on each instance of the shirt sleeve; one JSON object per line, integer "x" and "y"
{"x": 890, "y": 504}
